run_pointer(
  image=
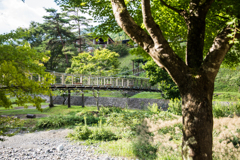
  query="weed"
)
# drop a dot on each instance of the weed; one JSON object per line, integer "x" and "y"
{"x": 96, "y": 134}
{"x": 175, "y": 106}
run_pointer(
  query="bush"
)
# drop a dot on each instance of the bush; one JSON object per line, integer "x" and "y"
{"x": 108, "y": 110}
{"x": 229, "y": 110}
{"x": 8, "y": 124}
{"x": 58, "y": 121}
{"x": 154, "y": 108}
{"x": 81, "y": 133}
{"x": 97, "y": 134}
{"x": 175, "y": 106}
{"x": 125, "y": 119}
{"x": 102, "y": 135}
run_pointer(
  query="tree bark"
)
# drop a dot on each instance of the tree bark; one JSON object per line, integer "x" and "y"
{"x": 197, "y": 118}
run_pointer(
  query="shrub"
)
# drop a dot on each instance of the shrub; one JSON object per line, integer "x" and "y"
{"x": 58, "y": 121}
{"x": 126, "y": 119}
{"x": 154, "y": 108}
{"x": 108, "y": 110}
{"x": 175, "y": 106}
{"x": 97, "y": 134}
{"x": 229, "y": 110}
{"x": 8, "y": 124}
{"x": 81, "y": 133}
{"x": 102, "y": 135}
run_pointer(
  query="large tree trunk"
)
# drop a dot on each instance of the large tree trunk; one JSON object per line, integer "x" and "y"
{"x": 195, "y": 77}
{"x": 197, "y": 119}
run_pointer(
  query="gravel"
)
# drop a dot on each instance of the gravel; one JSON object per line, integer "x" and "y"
{"x": 49, "y": 145}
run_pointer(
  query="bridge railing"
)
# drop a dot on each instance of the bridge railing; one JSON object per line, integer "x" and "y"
{"x": 84, "y": 80}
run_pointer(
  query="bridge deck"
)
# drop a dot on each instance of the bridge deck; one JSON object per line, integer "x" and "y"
{"x": 86, "y": 82}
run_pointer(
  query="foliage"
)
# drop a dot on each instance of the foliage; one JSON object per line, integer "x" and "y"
{"x": 121, "y": 49}
{"x": 139, "y": 51}
{"x": 98, "y": 134}
{"x": 108, "y": 110}
{"x": 175, "y": 106}
{"x": 9, "y": 126}
{"x": 154, "y": 108}
{"x": 102, "y": 63}
{"x": 226, "y": 110}
{"x": 18, "y": 63}
{"x": 57, "y": 121}
{"x": 161, "y": 77}
{"x": 80, "y": 26}
{"x": 227, "y": 80}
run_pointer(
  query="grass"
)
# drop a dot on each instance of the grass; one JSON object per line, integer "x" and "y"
{"x": 226, "y": 96}
{"x": 127, "y": 61}
{"x": 143, "y": 134}
{"x": 58, "y": 109}
{"x": 148, "y": 95}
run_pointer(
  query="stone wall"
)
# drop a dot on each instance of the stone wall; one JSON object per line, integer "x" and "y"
{"x": 133, "y": 103}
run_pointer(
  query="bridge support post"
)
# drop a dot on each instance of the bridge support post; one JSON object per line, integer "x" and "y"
{"x": 83, "y": 99}
{"x": 81, "y": 80}
{"x": 62, "y": 79}
{"x": 51, "y": 101}
{"x": 69, "y": 98}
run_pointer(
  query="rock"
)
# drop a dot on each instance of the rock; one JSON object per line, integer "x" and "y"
{"x": 60, "y": 148}
{"x": 31, "y": 116}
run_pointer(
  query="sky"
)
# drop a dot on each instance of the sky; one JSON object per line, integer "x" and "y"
{"x": 15, "y": 13}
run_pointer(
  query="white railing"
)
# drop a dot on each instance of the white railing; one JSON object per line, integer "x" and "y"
{"x": 85, "y": 80}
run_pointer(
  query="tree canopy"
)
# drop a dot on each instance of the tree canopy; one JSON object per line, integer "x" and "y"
{"x": 102, "y": 63}
{"x": 20, "y": 68}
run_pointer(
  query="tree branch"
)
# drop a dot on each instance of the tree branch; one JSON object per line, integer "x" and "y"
{"x": 156, "y": 45}
{"x": 217, "y": 52}
{"x": 180, "y": 12}
{"x": 126, "y": 22}
{"x": 152, "y": 28}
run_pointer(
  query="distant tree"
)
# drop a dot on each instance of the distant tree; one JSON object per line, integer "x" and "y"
{"x": 160, "y": 76}
{"x": 58, "y": 30}
{"x": 18, "y": 63}
{"x": 121, "y": 49}
{"x": 102, "y": 62}
{"x": 79, "y": 24}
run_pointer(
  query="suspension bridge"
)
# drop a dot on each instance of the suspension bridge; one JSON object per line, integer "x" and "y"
{"x": 68, "y": 82}
{"x": 88, "y": 82}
